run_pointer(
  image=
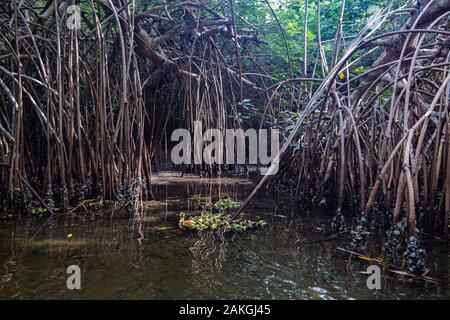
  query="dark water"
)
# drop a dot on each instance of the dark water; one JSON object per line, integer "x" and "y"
{"x": 293, "y": 258}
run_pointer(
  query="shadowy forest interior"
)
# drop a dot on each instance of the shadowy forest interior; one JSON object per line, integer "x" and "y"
{"x": 92, "y": 90}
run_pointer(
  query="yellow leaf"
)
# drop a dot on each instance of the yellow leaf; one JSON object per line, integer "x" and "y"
{"x": 69, "y": 235}
{"x": 164, "y": 228}
{"x": 188, "y": 223}
{"x": 365, "y": 258}
{"x": 342, "y": 75}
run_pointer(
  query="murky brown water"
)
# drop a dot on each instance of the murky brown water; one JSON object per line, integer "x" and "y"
{"x": 291, "y": 259}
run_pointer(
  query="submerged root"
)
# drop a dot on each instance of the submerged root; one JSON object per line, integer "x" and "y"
{"x": 338, "y": 222}
{"x": 393, "y": 245}
{"x": 126, "y": 201}
{"x": 50, "y": 197}
{"x": 64, "y": 195}
{"x": 414, "y": 256}
{"x": 360, "y": 233}
{"x": 79, "y": 192}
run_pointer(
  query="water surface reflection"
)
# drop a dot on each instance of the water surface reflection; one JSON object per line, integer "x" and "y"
{"x": 290, "y": 259}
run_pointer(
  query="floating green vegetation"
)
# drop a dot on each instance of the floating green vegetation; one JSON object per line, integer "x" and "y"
{"x": 35, "y": 209}
{"x": 226, "y": 205}
{"x": 217, "y": 217}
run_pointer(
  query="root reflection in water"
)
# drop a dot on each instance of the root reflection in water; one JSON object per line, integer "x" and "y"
{"x": 209, "y": 254}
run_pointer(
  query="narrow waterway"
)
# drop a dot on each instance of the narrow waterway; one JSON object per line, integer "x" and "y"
{"x": 292, "y": 258}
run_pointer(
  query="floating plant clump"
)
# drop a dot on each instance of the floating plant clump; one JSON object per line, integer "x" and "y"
{"x": 210, "y": 221}
{"x": 414, "y": 256}
{"x": 217, "y": 217}
{"x": 226, "y": 205}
